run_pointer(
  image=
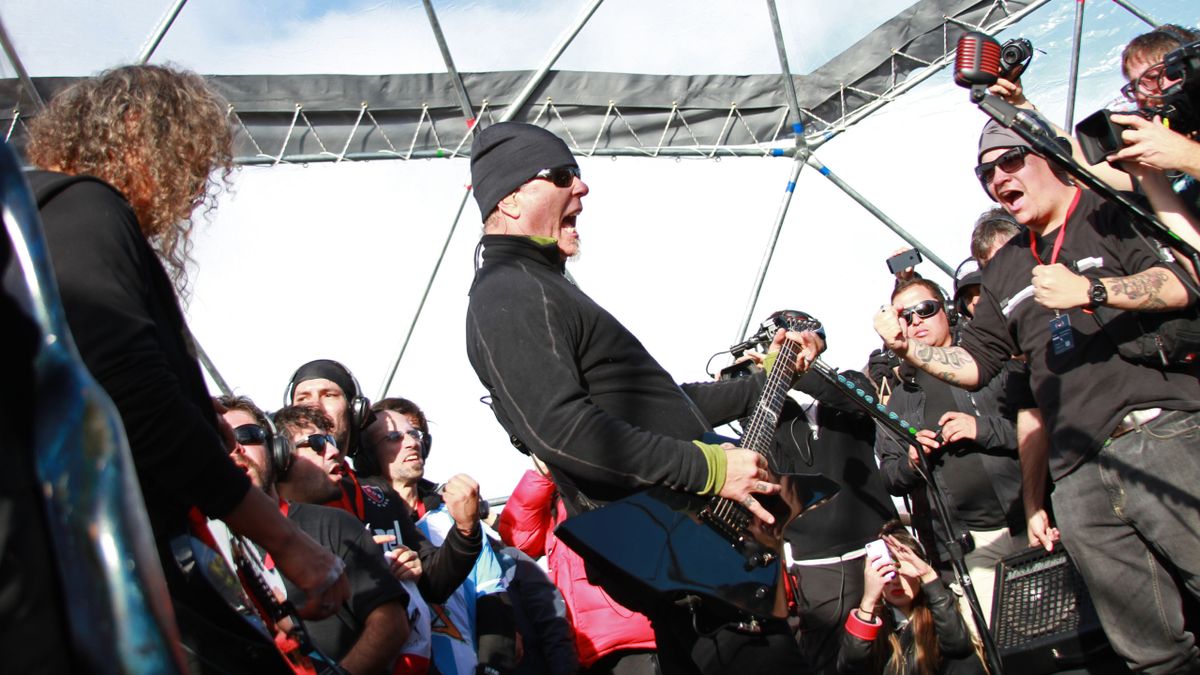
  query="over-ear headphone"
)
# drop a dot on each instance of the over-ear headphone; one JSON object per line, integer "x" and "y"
{"x": 280, "y": 448}
{"x": 359, "y": 406}
{"x": 947, "y": 306}
{"x": 426, "y": 444}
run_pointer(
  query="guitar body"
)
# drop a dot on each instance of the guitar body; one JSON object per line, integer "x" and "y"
{"x": 660, "y": 544}
{"x": 217, "y": 614}
{"x": 237, "y": 606}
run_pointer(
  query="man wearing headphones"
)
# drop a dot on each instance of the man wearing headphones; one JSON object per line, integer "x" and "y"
{"x": 330, "y": 386}
{"x": 438, "y": 570}
{"x": 973, "y": 455}
{"x": 367, "y": 631}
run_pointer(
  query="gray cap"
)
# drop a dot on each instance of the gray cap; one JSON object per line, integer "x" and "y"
{"x": 995, "y": 135}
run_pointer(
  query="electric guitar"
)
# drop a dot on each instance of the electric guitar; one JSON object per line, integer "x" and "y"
{"x": 118, "y": 617}
{"x": 662, "y": 542}
{"x": 251, "y": 608}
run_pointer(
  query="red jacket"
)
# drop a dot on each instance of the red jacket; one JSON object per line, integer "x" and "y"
{"x": 601, "y": 625}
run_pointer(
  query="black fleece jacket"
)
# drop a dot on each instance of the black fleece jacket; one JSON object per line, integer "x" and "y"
{"x": 130, "y": 331}
{"x": 577, "y": 389}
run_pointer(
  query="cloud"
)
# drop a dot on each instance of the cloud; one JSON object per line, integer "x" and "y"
{"x": 369, "y": 37}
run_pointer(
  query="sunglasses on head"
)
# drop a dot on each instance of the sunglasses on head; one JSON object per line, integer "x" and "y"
{"x": 250, "y": 434}
{"x": 561, "y": 176}
{"x": 923, "y": 309}
{"x": 394, "y": 436}
{"x": 318, "y": 442}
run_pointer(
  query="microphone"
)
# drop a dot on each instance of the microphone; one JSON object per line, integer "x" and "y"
{"x": 976, "y": 60}
{"x": 763, "y": 336}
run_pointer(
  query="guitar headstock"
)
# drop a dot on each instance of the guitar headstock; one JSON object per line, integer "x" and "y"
{"x": 794, "y": 319}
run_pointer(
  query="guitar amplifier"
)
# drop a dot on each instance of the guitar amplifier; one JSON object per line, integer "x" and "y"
{"x": 1043, "y": 620}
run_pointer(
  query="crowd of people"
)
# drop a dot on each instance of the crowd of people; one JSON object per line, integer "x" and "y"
{"x": 1040, "y": 424}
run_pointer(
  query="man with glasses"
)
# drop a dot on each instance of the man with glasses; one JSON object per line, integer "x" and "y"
{"x": 477, "y": 619}
{"x": 970, "y": 446}
{"x": 366, "y": 632}
{"x": 575, "y": 388}
{"x": 1123, "y": 434}
{"x": 1149, "y": 141}
{"x": 437, "y": 570}
{"x": 421, "y": 494}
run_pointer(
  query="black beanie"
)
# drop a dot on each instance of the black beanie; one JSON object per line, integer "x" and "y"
{"x": 507, "y": 155}
{"x": 324, "y": 369}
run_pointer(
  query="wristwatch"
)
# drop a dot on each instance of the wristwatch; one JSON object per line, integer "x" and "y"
{"x": 1097, "y": 294}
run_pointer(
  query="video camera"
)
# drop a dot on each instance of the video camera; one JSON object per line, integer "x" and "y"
{"x": 1179, "y": 105}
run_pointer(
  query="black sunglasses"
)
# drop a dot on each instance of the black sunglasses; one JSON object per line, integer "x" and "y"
{"x": 250, "y": 434}
{"x": 923, "y": 309}
{"x": 393, "y": 436}
{"x": 318, "y": 442}
{"x": 561, "y": 176}
{"x": 1010, "y": 162}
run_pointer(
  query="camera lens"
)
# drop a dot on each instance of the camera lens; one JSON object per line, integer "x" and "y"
{"x": 1014, "y": 57}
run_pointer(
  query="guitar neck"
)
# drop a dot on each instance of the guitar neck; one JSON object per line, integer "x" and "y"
{"x": 760, "y": 430}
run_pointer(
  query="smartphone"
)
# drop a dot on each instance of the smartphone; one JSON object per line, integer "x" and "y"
{"x": 903, "y": 260}
{"x": 879, "y": 549}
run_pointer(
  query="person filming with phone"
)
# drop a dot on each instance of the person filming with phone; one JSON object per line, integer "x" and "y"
{"x": 907, "y": 620}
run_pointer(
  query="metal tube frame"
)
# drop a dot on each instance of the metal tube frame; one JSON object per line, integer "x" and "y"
{"x": 1129, "y": 7}
{"x": 463, "y": 99}
{"x": 883, "y": 218}
{"x": 802, "y": 153}
{"x": 11, "y": 52}
{"x": 1073, "y": 75}
{"x": 160, "y": 31}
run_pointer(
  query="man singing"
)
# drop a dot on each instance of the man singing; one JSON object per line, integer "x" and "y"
{"x": 582, "y": 394}
{"x": 1124, "y": 435}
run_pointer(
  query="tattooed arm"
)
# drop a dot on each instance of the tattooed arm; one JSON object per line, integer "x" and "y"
{"x": 950, "y": 364}
{"x": 1154, "y": 289}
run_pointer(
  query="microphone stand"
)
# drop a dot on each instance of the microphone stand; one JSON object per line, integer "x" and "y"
{"x": 905, "y": 433}
{"x": 1041, "y": 139}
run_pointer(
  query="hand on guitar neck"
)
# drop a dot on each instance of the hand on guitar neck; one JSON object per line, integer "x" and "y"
{"x": 810, "y": 347}
{"x": 746, "y": 474}
{"x": 746, "y": 471}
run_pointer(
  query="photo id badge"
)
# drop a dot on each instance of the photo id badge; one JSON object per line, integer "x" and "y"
{"x": 1061, "y": 337}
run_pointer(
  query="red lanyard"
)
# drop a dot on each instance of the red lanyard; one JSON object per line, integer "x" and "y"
{"x": 1062, "y": 231}
{"x": 351, "y": 499}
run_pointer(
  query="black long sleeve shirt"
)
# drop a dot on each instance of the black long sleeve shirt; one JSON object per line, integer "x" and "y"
{"x": 577, "y": 388}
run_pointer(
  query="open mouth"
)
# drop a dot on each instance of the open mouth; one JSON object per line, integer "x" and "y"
{"x": 1010, "y": 198}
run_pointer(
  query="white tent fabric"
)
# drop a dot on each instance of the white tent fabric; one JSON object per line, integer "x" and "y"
{"x": 330, "y": 260}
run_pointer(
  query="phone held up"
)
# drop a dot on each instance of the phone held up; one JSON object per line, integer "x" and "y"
{"x": 879, "y": 549}
{"x": 903, "y": 260}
